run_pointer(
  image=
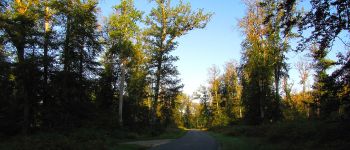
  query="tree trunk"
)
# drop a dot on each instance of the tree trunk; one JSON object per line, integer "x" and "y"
{"x": 45, "y": 60}
{"x": 22, "y": 89}
{"x": 277, "y": 79}
{"x": 262, "y": 99}
{"x": 121, "y": 92}
{"x": 156, "y": 91}
{"x": 81, "y": 70}
{"x": 66, "y": 59}
{"x": 25, "y": 112}
{"x": 240, "y": 112}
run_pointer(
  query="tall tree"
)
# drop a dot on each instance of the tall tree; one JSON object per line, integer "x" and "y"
{"x": 257, "y": 65}
{"x": 205, "y": 111}
{"x": 18, "y": 25}
{"x": 79, "y": 47}
{"x": 138, "y": 86}
{"x": 123, "y": 30}
{"x": 187, "y": 115}
{"x": 46, "y": 44}
{"x": 278, "y": 43}
{"x": 328, "y": 22}
{"x": 165, "y": 24}
{"x": 265, "y": 50}
{"x": 214, "y": 81}
{"x": 231, "y": 91}
{"x": 342, "y": 76}
{"x": 218, "y": 104}
{"x": 8, "y": 111}
{"x": 304, "y": 69}
{"x": 324, "y": 95}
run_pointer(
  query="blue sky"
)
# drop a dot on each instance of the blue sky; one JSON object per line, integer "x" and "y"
{"x": 218, "y": 43}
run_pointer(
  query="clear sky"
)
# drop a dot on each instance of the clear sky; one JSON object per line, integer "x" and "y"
{"x": 218, "y": 43}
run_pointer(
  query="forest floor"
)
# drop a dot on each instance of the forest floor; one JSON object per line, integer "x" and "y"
{"x": 85, "y": 139}
{"x": 285, "y": 135}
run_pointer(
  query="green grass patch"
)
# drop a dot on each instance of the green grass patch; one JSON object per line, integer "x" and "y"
{"x": 236, "y": 143}
{"x": 243, "y": 143}
{"x": 84, "y": 139}
{"x": 171, "y": 133}
{"x": 285, "y": 135}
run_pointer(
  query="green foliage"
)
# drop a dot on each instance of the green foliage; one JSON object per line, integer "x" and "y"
{"x": 78, "y": 139}
{"x": 206, "y": 114}
{"x": 220, "y": 103}
{"x": 327, "y": 20}
{"x": 18, "y": 29}
{"x": 342, "y": 85}
{"x": 263, "y": 61}
{"x": 236, "y": 143}
{"x": 187, "y": 117}
{"x": 231, "y": 92}
{"x": 9, "y": 109}
{"x": 165, "y": 24}
{"x": 105, "y": 90}
{"x": 51, "y": 80}
{"x": 324, "y": 95}
{"x": 122, "y": 29}
{"x": 170, "y": 133}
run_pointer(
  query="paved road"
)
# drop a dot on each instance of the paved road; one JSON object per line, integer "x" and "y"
{"x": 193, "y": 140}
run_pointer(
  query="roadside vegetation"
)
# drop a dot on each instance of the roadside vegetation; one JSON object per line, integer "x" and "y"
{"x": 85, "y": 139}
{"x": 253, "y": 104}
{"x": 71, "y": 80}
{"x": 285, "y": 135}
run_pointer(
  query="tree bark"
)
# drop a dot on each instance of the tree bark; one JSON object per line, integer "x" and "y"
{"x": 22, "y": 90}
{"x": 46, "y": 59}
{"x": 121, "y": 93}
{"x": 66, "y": 59}
{"x": 156, "y": 90}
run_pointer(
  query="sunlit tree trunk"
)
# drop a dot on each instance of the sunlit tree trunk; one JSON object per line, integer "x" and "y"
{"x": 121, "y": 93}
{"x": 159, "y": 62}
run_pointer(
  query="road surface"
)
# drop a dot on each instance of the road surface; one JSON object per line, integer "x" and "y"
{"x": 193, "y": 140}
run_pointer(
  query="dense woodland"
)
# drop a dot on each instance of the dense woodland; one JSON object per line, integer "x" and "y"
{"x": 257, "y": 90}
{"x": 62, "y": 68}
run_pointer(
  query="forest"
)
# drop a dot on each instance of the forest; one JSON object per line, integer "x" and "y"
{"x": 71, "y": 80}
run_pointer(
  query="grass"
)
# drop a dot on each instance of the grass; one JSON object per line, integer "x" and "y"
{"x": 170, "y": 133}
{"x": 243, "y": 143}
{"x": 237, "y": 143}
{"x": 285, "y": 135}
{"x": 83, "y": 139}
